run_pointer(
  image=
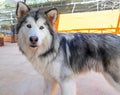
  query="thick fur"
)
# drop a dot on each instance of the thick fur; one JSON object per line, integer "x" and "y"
{"x": 60, "y": 56}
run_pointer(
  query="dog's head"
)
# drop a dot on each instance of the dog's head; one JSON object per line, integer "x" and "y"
{"x": 35, "y": 27}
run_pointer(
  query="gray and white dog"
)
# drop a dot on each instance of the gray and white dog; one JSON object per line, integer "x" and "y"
{"x": 61, "y": 56}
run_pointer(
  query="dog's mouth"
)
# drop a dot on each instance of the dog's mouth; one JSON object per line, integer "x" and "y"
{"x": 33, "y": 46}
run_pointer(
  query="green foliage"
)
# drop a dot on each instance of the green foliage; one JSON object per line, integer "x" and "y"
{"x": 32, "y": 3}
{"x": 6, "y": 4}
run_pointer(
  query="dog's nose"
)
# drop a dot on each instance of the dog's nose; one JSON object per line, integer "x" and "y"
{"x": 33, "y": 39}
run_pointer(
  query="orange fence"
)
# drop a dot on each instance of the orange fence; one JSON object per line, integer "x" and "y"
{"x": 90, "y": 22}
{"x": 87, "y": 22}
{"x": 10, "y": 38}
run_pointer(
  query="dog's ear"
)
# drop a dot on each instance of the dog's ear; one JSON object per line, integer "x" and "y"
{"x": 21, "y": 9}
{"x": 52, "y": 15}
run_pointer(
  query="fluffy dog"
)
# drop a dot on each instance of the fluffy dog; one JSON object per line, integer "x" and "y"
{"x": 61, "y": 56}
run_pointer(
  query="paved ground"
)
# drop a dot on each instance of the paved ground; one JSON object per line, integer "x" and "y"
{"x": 17, "y": 77}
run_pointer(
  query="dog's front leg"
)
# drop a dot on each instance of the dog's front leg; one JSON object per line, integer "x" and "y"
{"x": 50, "y": 88}
{"x": 68, "y": 87}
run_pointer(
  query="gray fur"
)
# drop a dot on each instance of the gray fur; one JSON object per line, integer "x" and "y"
{"x": 69, "y": 54}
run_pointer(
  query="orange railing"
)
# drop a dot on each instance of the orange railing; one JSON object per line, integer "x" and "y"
{"x": 90, "y": 22}
{"x": 10, "y": 38}
{"x": 94, "y": 30}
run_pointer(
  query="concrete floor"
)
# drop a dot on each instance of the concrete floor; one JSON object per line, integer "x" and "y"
{"x": 17, "y": 77}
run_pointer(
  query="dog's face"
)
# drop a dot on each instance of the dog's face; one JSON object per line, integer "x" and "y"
{"x": 34, "y": 26}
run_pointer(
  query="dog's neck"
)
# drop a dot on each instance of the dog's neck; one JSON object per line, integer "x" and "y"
{"x": 53, "y": 48}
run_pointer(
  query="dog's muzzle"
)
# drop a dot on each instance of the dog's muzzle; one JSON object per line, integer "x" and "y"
{"x": 33, "y": 40}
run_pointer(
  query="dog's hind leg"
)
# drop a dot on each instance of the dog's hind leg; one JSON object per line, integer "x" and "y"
{"x": 112, "y": 73}
{"x": 111, "y": 81}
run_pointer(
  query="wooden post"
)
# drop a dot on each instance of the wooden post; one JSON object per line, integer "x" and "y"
{"x": 117, "y": 28}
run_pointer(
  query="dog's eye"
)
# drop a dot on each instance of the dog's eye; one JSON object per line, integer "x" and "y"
{"x": 29, "y": 25}
{"x": 41, "y": 27}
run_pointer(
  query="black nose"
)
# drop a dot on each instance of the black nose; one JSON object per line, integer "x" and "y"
{"x": 33, "y": 39}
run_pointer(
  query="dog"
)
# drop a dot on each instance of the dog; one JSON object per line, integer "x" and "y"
{"x": 59, "y": 57}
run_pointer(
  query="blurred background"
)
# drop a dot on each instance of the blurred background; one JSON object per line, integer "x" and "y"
{"x": 69, "y": 7}
{"x": 17, "y": 76}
